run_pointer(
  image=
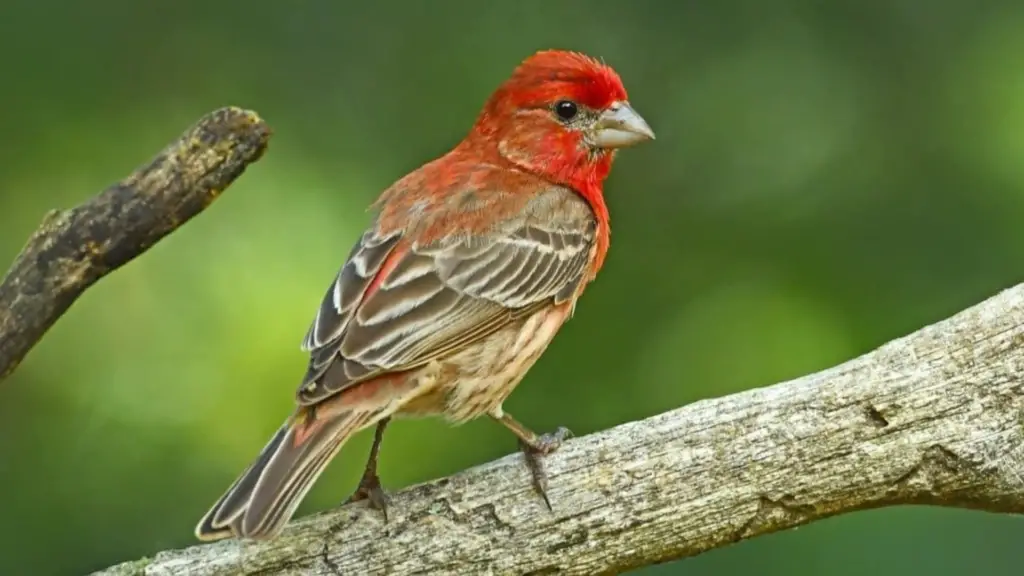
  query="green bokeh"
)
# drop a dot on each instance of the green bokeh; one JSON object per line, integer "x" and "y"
{"x": 826, "y": 177}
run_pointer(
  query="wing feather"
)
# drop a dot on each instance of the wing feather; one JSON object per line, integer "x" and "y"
{"x": 396, "y": 305}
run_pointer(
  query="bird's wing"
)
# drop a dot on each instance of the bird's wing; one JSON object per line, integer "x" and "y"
{"x": 398, "y": 303}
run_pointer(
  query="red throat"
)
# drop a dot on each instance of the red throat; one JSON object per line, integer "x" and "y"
{"x": 592, "y": 191}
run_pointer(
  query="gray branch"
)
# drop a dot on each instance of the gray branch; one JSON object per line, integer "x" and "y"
{"x": 934, "y": 418}
{"x": 72, "y": 249}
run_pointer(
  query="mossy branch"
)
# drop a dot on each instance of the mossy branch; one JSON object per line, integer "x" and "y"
{"x": 72, "y": 249}
{"x": 934, "y": 418}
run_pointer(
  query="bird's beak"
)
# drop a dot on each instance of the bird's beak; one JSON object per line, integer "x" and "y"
{"x": 620, "y": 126}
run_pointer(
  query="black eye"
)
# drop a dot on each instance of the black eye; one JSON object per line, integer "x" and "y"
{"x": 566, "y": 109}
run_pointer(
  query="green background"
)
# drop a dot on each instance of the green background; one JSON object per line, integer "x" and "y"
{"x": 827, "y": 176}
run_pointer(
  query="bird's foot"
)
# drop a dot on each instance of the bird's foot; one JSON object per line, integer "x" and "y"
{"x": 371, "y": 490}
{"x": 369, "y": 485}
{"x": 542, "y": 445}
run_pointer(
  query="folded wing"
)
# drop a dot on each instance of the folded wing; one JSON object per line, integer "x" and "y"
{"x": 397, "y": 304}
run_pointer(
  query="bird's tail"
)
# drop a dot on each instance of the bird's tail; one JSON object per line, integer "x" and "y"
{"x": 266, "y": 495}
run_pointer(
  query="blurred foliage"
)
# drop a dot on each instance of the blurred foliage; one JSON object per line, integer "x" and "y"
{"x": 827, "y": 176}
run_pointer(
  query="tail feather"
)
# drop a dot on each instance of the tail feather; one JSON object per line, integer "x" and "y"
{"x": 293, "y": 468}
{"x": 234, "y": 502}
{"x": 267, "y": 493}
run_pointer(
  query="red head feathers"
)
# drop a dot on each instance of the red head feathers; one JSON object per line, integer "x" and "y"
{"x": 552, "y": 74}
{"x": 560, "y": 115}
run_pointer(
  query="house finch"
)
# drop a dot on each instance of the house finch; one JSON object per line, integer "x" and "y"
{"x": 469, "y": 268}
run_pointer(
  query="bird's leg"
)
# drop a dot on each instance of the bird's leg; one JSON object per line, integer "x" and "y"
{"x": 534, "y": 446}
{"x": 369, "y": 486}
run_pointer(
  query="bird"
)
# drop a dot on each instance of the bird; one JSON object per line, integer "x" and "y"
{"x": 470, "y": 266}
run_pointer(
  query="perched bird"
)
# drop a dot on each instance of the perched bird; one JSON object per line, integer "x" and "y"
{"x": 471, "y": 265}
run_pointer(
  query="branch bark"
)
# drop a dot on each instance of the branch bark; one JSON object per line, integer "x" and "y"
{"x": 934, "y": 418}
{"x": 73, "y": 249}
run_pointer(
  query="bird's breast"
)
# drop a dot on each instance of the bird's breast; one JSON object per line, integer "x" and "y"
{"x": 476, "y": 380}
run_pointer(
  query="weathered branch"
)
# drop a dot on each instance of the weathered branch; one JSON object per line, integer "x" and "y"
{"x": 933, "y": 418}
{"x": 72, "y": 249}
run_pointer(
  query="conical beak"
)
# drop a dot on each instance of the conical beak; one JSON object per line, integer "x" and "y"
{"x": 620, "y": 126}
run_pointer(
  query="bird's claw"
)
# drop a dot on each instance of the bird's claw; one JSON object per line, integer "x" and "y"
{"x": 543, "y": 445}
{"x": 370, "y": 490}
{"x": 548, "y": 443}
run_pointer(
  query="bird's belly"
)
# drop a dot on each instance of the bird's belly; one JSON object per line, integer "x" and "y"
{"x": 476, "y": 380}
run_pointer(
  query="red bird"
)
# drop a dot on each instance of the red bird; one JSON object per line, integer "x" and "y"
{"x": 471, "y": 265}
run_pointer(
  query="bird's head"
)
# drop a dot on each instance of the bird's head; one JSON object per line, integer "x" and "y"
{"x": 562, "y": 115}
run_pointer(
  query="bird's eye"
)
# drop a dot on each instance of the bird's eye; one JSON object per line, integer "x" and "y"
{"x": 566, "y": 109}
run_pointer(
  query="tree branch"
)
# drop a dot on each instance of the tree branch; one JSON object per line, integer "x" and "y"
{"x": 73, "y": 249}
{"x": 934, "y": 418}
